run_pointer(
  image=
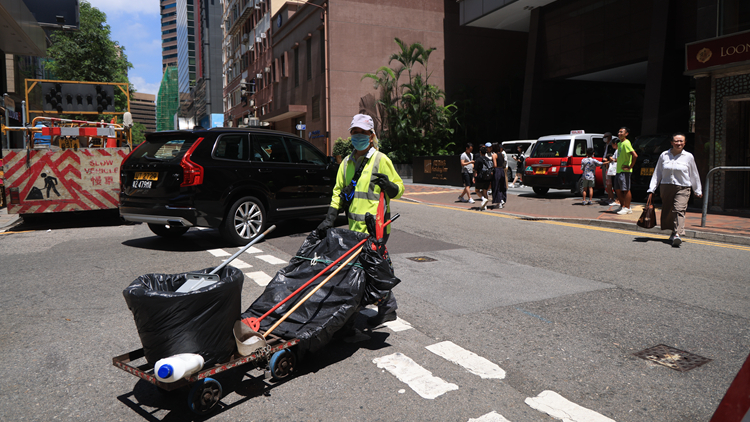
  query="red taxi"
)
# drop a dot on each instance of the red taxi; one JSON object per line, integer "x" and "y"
{"x": 555, "y": 162}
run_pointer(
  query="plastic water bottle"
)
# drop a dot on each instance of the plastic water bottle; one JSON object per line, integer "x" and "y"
{"x": 177, "y": 367}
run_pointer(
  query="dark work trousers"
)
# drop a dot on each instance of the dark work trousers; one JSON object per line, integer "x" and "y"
{"x": 387, "y": 304}
{"x": 499, "y": 187}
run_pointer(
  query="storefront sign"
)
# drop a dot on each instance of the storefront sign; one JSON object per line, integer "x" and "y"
{"x": 727, "y": 50}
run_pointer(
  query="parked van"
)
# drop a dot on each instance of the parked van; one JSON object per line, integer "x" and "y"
{"x": 555, "y": 162}
{"x": 511, "y": 149}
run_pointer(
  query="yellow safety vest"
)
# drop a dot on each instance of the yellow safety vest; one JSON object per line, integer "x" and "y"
{"x": 366, "y": 194}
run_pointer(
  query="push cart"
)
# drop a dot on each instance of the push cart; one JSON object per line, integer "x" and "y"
{"x": 276, "y": 357}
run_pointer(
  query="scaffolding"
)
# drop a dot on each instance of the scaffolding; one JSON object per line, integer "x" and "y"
{"x": 168, "y": 100}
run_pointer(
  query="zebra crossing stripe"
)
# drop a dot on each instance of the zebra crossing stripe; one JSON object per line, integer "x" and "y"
{"x": 490, "y": 417}
{"x": 271, "y": 259}
{"x": 219, "y": 252}
{"x": 252, "y": 250}
{"x": 417, "y": 378}
{"x": 559, "y": 407}
{"x": 472, "y": 362}
{"x": 238, "y": 263}
{"x": 398, "y": 325}
{"x": 259, "y": 277}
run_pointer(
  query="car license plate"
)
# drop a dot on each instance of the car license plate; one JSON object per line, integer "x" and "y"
{"x": 539, "y": 170}
{"x": 142, "y": 184}
{"x": 647, "y": 171}
{"x": 146, "y": 175}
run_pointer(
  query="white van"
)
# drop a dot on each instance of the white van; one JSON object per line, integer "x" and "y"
{"x": 511, "y": 149}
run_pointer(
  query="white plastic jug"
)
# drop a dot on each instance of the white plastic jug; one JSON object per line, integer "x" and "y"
{"x": 177, "y": 367}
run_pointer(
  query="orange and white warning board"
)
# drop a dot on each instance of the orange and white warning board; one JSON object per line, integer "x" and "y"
{"x": 66, "y": 180}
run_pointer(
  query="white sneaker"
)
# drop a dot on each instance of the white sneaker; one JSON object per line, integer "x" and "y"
{"x": 484, "y": 204}
{"x": 624, "y": 211}
{"x": 471, "y": 200}
{"x": 461, "y": 199}
{"x": 676, "y": 241}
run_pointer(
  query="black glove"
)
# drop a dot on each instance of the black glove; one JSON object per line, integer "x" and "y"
{"x": 323, "y": 227}
{"x": 390, "y": 188}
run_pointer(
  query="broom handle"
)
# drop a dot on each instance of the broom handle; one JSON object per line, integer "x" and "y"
{"x": 298, "y": 304}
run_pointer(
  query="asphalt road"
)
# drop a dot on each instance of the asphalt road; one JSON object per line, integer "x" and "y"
{"x": 557, "y": 307}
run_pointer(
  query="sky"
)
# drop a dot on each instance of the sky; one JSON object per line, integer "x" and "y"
{"x": 136, "y": 25}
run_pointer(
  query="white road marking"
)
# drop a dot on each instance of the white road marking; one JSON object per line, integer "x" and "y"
{"x": 490, "y": 417}
{"x": 473, "y": 363}
{"x": 259, "y": 277}
{"x": 238, "y": 263}
{"x": 417, "y": 378}
{"x": 398, "y": 325}
{"x": 219, "y": 252}
{"x": 561, "y": 408}
{"x": 252, "y": 249}
{"x": 271, "y": 259}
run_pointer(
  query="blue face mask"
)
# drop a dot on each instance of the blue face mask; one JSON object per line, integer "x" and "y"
{"x": 360, "y": 141}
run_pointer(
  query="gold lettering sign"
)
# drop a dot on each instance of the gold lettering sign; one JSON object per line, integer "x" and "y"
{"x": 735, "y": 49}
{"x": 439, "y": 170}
{"x": 427, "y": 166}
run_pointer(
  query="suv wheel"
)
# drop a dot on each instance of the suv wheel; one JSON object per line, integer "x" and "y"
{"x": 245, "y": 220}
{"x": 540, "y": 191}
{"x": 166, "y": 230}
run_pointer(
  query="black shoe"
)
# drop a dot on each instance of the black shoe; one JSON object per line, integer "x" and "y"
{"x": 381, "y": 318}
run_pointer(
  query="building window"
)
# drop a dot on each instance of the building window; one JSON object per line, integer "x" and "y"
{"x": 296, "y": 67}
{"x": 309, "y": 58}
{"x": 316, "y": 107}
{"x": 322, "y": 51}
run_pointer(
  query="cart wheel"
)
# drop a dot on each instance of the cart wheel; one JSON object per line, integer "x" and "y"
{"x": 204, "y": 396}
{"x": 282, "y": 364}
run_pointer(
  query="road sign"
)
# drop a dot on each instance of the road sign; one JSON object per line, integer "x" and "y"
{"x": 301, "y": 127}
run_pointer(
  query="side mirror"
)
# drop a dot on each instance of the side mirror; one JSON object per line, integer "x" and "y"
{"x": 332, "y": 160}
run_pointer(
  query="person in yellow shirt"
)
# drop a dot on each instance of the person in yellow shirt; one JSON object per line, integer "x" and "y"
{"x": 361, "y": 177}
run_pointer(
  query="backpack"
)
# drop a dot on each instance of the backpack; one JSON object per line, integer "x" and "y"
{"x": 487, "y": 172}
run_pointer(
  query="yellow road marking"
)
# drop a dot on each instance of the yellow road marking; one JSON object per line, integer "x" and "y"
{"x": 588, "y": 227}
{"x": 427, "y": 193}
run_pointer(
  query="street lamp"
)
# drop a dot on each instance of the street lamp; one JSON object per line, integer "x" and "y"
{"x": 327, "y": 70}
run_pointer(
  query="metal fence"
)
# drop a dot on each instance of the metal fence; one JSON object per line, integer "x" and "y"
{"x": 708, "y": 184}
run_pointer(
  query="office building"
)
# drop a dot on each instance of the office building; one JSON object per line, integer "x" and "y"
{"x": 168, "y": 33}
{"x": 143, "y": 110}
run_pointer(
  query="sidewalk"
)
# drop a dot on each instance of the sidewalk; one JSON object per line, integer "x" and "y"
{"x": 8, "y": 221}
{"x": 562, "y": 206}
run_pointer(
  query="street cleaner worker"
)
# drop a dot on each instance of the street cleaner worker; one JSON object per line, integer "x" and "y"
{"x": 361, "y": 177}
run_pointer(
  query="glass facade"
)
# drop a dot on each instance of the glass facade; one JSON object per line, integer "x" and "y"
{"x": 185, "y": 45}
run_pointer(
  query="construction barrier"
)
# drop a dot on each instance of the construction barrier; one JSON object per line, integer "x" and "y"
{"x": 42, "y": 181}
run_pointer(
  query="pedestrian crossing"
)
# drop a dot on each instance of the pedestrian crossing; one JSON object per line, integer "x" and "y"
{"x": 422, "y": 380}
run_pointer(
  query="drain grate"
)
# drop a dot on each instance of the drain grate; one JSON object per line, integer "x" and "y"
{"x": 676, "y": 359}
{"x": 422, "y": 259}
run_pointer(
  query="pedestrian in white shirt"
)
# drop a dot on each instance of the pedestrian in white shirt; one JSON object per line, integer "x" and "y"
{"x": 675, "y": 174}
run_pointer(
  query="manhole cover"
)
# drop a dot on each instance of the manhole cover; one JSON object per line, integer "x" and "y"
{"x": 679, "y": 360}
{"x": 422, "y": 259}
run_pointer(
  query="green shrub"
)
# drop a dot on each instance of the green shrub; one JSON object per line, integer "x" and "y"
{"x": 342, "y": 147}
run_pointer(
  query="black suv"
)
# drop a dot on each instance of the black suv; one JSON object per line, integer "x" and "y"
{"x": 229, "y": 178}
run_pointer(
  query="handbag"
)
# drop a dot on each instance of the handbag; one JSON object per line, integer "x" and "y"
{"x": 647, "y": 219}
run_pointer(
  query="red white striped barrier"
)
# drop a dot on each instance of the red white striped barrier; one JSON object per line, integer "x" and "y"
{"x": 108, "y": 132}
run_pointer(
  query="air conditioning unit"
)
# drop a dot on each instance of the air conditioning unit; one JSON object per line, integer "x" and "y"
{"x": 252, "y": 47}
{"x": 268, "y": 70}
{"x": 251, "y": 102}
{"x": 262, "y": 34}
{"x": 259, "y": 76}
{"x": 258, "y": 39}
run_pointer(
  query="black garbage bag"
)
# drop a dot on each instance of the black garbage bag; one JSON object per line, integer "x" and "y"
{"x": 199, "y": 322}
{"x": 328, "y": 310}
{"x": 379, "y": 276}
